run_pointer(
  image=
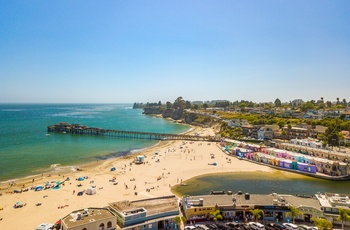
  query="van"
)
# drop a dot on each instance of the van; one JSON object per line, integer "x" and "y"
{"x": 256, "y": 226}
{"x": 290, "y": 226}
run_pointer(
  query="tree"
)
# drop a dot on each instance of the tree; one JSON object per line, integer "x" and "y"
{"x": 307, "y": 106}
{"x": 179, "y": 103}
{"x": 345, "y": 104}
{"x": 294, "y": 212}
{"x": 322, "y": 224}
{"x": 188, "y": 104}
{"x": 329, "y": 104}
{"x": 205, "y": 106}
{"x": 284, "y": 134}
{"x": 337, "y": 100}
{"x": 343, "y": 216}
{"x": 278, "y": 103}
{"x": 179, "y": 220}
{"x": 169, "y": 105}
{"x": 257, "y": 213}
{"x": 289, "y": 130}
{"x": 216, "y": 215}
{"x": 242, "y": 105}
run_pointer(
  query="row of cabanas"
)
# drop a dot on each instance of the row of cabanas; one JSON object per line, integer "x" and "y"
{"x": 290, "y": 160}
{"x": 284, "y": 158}
{"x": 307, "y": 142}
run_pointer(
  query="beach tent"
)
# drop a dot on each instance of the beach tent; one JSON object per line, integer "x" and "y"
{"x": 80, "y": 193}
{"x": 38, "y": 188}
{"x": 214, "y": 164}
{"x": 90, "y": 191}
{"x": 113, "y": 169}
{"x": 81, "y": 178}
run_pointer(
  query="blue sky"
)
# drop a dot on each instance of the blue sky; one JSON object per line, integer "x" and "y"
{"x": 144, "y": 51}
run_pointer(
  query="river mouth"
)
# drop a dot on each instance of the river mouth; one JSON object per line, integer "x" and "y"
{"x": 260, "y": 183}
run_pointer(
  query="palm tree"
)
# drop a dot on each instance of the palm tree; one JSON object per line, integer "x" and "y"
{"x": 257, "y": 213}
{"x": 289, "y": 130}
{"x": 179, "y": 220}
{"x": 284, "y": 134}
{"x": 216, "y": 215}
{"x": 294, "y": 212}
{"x": 322, "y": 224}
{"x": 343, "y": 216}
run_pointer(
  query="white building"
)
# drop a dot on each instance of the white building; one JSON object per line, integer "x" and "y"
{"x": 89, "y": 218}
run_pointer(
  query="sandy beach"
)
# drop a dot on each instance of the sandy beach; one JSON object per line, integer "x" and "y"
{"x": 167, "y": 164}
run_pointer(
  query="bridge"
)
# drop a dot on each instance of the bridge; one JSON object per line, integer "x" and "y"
{"x": 64, "y": 127}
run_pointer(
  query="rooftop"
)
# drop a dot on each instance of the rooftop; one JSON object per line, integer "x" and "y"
{"x": 84, "y": 216}
{"x": 152, "y": 206}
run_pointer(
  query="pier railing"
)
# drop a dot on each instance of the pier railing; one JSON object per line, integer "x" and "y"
{"x": 84, "y": 130}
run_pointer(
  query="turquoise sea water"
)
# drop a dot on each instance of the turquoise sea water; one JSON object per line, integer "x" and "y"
{"x": 25, "y": 149}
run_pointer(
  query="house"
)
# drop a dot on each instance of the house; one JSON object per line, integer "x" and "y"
{"x": 296, "y": 132}
{"x": 89, "y": 218}
{"x": 346, "y": 135}
{"x": 316, "y": 130}
{"x": 266, "y": 132}
{"x": 237, "y": 123}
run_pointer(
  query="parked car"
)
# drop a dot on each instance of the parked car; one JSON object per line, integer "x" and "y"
{"x": 290, "y": 226}
{"x": 280, "y": 226}
{"x": 256, "y": 226}
{"x": 212, "y": 226}
{"x": 222, "y": 226}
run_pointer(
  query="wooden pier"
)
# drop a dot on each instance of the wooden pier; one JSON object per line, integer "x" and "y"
{"x": 64, "y": 127}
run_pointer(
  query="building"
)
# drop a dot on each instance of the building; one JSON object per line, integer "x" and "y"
{"x": 296, "y": 132}
{"x": 331, "y": 202}
{"x": 89, "y": 218}
{"x": 266, "y": 132}
{"x": 150, "y": 214}
{"x": 238, "y": 206}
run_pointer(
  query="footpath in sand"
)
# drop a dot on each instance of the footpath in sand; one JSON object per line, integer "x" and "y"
{"x": 167, "y": 164}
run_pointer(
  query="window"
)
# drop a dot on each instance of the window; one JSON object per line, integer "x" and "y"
{"x": 109, "y": 224}
{"x": 102, "y": 226}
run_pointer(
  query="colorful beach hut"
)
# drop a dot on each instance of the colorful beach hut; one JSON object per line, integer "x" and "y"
{"x": 287, "y": 164}
{"x": 306, "y": 167}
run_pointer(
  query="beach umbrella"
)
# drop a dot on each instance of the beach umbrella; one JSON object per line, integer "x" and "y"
{"x": 81, "y": 178}
{"x": 113, "y": 169}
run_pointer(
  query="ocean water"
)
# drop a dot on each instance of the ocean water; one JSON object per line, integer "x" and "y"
{"x": 25, "y": 149}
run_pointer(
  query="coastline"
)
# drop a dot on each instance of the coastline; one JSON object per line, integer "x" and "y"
{"x": 67, "y": 169}
{"x": 166, "y": 164}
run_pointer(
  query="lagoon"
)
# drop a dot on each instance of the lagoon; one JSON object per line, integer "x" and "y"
{"x": 260, "y": 183}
